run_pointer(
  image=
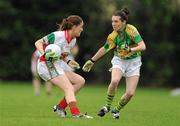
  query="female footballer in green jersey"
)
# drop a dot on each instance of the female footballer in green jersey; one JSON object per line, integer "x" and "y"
{"x": 127, "y": 45}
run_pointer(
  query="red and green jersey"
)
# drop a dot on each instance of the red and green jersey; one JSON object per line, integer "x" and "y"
{"x": 62, "y": 39}
{"x": 129, "y": 36}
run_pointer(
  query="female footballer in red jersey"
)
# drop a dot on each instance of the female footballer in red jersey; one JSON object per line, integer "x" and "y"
{"x": 127, "y": 44}
{"x": 50, "y": 65}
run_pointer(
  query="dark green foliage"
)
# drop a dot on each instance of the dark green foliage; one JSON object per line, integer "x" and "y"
{"x": 23, "y": 22}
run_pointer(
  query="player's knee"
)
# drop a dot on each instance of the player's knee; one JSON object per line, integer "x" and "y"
{"x": 114, "y": 82}
{"x": 82, "y": 81}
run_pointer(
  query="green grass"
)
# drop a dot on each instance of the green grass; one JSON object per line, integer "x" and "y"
{"x": 149, "y": 107}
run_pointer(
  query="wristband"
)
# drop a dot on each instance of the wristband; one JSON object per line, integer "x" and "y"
{"x": 92, "y": 61}
{"x": 68, "y": 61}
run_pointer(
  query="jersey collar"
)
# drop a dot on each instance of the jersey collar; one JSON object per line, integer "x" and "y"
{"x": 68, "y": 39}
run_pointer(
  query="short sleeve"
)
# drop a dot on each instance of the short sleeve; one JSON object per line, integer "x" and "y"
{"x": 110, "y": 43}
{"x": 49, "y": 39}
{"x": 133, "y": 33}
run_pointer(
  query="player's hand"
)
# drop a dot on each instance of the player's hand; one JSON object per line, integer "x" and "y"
{"x": 126, "y": 48}
{"x": 87, "y": 66}
{"x": 50, "y": 56}
{"x": 124, "y": 51}
{"x": 73, "y": 64}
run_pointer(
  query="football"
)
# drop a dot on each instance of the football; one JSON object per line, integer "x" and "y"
{"x": 53, "y": 48}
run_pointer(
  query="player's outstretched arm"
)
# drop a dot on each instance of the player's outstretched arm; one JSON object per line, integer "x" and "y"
{"x": 89, "y": 64}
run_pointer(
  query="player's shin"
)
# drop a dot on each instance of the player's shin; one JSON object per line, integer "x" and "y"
{"x": 109, "y": 100}
{"x": 123, "y": 101}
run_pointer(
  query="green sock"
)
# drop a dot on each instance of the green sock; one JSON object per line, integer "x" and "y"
{"x": 121, "y": 104}
{"x": 109, "y": 100}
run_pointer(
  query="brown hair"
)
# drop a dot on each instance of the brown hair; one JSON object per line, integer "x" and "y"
{"x": 69, "y": 22}
{"x": 123, "y": 13}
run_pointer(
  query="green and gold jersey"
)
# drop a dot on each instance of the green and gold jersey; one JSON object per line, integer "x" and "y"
{"x": 130, "y": 36}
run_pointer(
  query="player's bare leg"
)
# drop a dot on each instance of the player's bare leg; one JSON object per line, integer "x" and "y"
{"x": 115, "y": 78}
{"x": 131, "y": 84}
{"x": 63, "y": 83}
{"x": 48, "y": 86}
{"x": 36, "y": 85}
{"x": 77, "y": 81}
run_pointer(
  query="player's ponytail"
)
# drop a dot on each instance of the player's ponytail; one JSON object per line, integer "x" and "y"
{"x": 123, "y": 13}
{"x": 69, "y": 22}
{"x": 126, "y": 11}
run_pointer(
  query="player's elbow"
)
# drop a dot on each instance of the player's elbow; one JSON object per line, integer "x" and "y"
{"x": 144, "y": 47}
{"x": 37, "y": 43}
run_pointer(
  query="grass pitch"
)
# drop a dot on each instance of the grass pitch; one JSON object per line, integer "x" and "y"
{"x": 149, "y": 107}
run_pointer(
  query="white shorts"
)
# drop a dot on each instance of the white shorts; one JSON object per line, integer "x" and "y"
{"x": 48, "y": 70}
{"x": 128, "y": 67}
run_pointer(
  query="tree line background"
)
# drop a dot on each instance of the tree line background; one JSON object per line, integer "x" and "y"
{"x": 22, "y": 22}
